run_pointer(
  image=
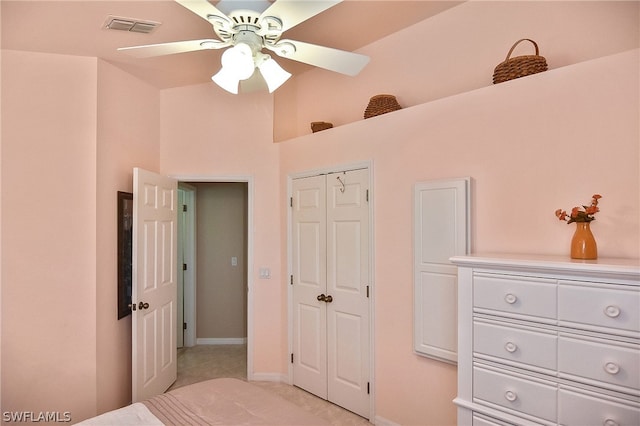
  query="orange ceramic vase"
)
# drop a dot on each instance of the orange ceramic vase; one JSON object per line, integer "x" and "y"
{"x": 583, "y": 244}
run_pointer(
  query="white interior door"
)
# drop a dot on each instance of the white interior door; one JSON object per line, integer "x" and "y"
{"x": 154, "y": 290}
{"x": 347, "y": 285}
{"x": 331, "y": 336}
{"x": 309, "y": 282}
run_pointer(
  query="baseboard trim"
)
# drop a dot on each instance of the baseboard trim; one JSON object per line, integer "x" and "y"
{"x": 269, "y": 377}
{"x": 221, "y": 341}
{"x": 381, "y": 421}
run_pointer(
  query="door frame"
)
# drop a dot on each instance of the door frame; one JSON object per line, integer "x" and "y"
{"x": 190, "y": 298}
{"x": 189, "y": 254}
{"x": 323, "y": 171}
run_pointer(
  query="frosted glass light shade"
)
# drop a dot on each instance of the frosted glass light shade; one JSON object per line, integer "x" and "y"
{"x": 239, "y": 60}
{"x": 227, "y": 80}
{"x": 237, "y": 64}
{"x": 273, "y": 74}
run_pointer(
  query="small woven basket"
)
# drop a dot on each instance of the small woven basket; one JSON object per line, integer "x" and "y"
{"x": 317, "y": 126}
{"x": 520, "y": 66}
{"x": 381, "y": 104}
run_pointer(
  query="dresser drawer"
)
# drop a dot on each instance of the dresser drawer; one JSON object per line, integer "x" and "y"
{"x": 515, "y": 393}
{"x": 515, "y": 295}
{"x": 577, "y": 409}
{"x": 603, "y": 361}
{"x": 479, "y": 420}
{"x": 600, "y": 306}
{"x": 515, "y": 344}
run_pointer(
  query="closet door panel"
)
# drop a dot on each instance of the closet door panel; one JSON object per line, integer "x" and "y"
{"x": 347, "y": 282}
{"x": 309, "y": 281}
{"x": 441, "y": 230}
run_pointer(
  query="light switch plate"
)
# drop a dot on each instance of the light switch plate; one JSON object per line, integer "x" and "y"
{"x": 265, "y": 273}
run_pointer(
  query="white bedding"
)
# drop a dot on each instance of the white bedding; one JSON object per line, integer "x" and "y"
{"x": 212, "y": 402}
{"x": 134, "y": 414}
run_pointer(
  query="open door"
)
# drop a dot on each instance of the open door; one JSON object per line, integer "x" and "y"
{"x": 154, "y": 289}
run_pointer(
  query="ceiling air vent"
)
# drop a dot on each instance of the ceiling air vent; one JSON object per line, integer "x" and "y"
{"x": 130, "y": 24}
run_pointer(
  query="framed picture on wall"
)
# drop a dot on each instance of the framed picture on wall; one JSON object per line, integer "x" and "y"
{"x": 125, "y": 246}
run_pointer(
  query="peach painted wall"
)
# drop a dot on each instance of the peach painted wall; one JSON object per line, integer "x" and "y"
{"x": 128, "y": 130}
{"x": 455, "y": 52}
{"x": 49, "y": 233}
{"x": 0, "y": 213}
{"x": 206, "y": 132}
{"x": 531, "y": 146}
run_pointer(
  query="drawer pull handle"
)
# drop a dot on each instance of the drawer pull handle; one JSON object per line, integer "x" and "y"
{"x": 510, "y": 347}
{"x": 510, "y": 298}
{"x": 611, "y": 368}
{"x": 510, "y": 396}
{"x": 612, "y": 311}
{"x": 610, "y": 422}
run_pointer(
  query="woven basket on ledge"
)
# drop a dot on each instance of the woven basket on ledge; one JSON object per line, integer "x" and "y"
{"x": 520, "y": 66}
{"x": 317, "y": 126}
{"x": 381, "y": 104}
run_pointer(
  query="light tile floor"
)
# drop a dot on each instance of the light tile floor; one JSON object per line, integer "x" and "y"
{"x": 205, "y": 362}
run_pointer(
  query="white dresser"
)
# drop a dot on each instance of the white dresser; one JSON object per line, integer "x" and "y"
{"x": 547, "y": 340}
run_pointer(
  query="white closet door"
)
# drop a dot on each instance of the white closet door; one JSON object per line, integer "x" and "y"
{"x": 309, "y": 281}
{"x": 331, "y": 310}
{"x": 347, "y": 282}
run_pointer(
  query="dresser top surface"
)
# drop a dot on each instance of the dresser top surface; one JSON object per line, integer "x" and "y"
{"x": 551, "y": 263}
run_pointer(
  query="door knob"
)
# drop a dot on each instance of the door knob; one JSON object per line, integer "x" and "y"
{"x": 328, "y": 299}
{"x": 143, "y": 305}
{"x": 322, "y": 297}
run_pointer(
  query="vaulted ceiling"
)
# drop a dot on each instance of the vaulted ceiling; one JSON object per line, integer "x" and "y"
{"x": 77, "y": 27}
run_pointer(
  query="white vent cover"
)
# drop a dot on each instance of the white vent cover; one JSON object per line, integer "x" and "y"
{"x": 130, "y": 24}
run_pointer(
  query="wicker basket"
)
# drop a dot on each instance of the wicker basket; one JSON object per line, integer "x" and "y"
{"x": 317, "y": 126}
{"x": 381, "y": 104}
{"x": 520, "y": 66}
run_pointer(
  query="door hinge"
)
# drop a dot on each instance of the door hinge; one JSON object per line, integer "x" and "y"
{"x": 367, "y": 291}
{"x": 290, "y": 201}
{"x": 367, "y": 195}
{"x": 184, "y": 266}
{"x": 292, "y": 358}
{"x": 184, "y": 325}
{"x": 184, "y": 207}
{"x": 291, "y": 279}
{"x": 368, "y": 388}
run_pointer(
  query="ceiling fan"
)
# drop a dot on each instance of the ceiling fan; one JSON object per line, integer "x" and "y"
{"x": 246, "y": 28}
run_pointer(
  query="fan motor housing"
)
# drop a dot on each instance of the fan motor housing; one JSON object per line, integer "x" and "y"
{"x": 241, "y": 22}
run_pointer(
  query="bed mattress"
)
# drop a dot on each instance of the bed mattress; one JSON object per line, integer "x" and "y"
{"x": 212, "y": 402}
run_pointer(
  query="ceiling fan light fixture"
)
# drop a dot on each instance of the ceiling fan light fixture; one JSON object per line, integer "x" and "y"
{"x": 274, "y": 75}
{"x": 239, "y": 61}
{"x": 226, "y": 80}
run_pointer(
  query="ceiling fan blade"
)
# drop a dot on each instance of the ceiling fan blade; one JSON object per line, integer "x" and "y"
{"x": 150, "y": 50}
{"x": 293, "y": 12}
{"x": 336, "y": 60}
{"x": 202, "y": 8}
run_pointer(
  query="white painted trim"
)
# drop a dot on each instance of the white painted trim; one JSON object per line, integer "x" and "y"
{"x": 270, "y": 377}
{"x": 249, "y": 180}
{"x": 381, "y": 421}
{"x": 335, "y": 169}
{"x": 221, "y": 340}
{"x": 190, "y": 256}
